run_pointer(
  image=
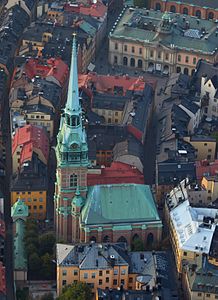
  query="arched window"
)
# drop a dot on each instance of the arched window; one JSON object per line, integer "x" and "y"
{"x": 186, "y": 59}
{"x": 158, "y": 6}
{"x": 93, "y": 239}
{"x": 185, "y": 11}
{"x": 194, "y": 60}
{"x": 122, "y": 239}
{"x": 198, "y": 14}
{"x": 210, "y": 15}
{"x": 139, "y": 63}
{"x": 115, "y": 59}
{"x": 106, "y": 239}
{"x": 132, "y": 62}
{"x": 193, "y": 71}
{"x": 125, "y": 61}
{"x": 173, "y": 8}
{"x": 186, "y": 71}
{"x": 179, "y": 57}
{"x": 150, "y": 239}
{"x": 178, "y": 70}
{"x": 137, "y": 244}
{"x": 73, "y": 180}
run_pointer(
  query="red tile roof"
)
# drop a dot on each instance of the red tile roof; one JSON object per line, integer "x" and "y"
{"x": 117, "y": 173}
{"x": 96, "y": 10}
{"x": 2, "y": 279}
{"x": 47, "y": 68}
{"x": 32, "y": 139}
{"x": 107, "y": 83}
{"x": 204, "y": 167}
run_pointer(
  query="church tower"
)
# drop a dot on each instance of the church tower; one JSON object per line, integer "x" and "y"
{"x": 72, "y": 162}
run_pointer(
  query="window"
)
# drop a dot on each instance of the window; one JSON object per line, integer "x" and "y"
{"x": 185, "y": 11}
{"x": 132, "y": 62}
{"x": 208, "y": 295}
{"x": 115, "y": 272}
{"x": 123, "y": 272}
{"x": 107, "y": 272}
{"x": 29, "y": 193}
{"x": 194, "y": 60}
{"x": 35, "y": 200}
{"x": 75, "y": 272}
{"x": 64, "y": 273}
{"x": 186, "y": 59}
{"x": 209, "y": 150}
{"x": 115, "y": 46}
{"x": 34, "y": 207}
{"x": 133, "y": 49}
{"x": 18, "y": 193}
{"x": 172, "y": 8}
{"x": 40, "y": 199}
{"x": 130, "y": 280}
{"x": 125, "y": 61}
{"x": 159, "y": 54}
{"x": 109, "y": 120}
{"x": 40, "y": 207}
{"x": 107, "y": 279}
{"x": 214, "y": 108}
{"x": 116, "y": 113}
{"x": 151, "y": 53}
{"x": 115, "y": 59}
{"x": 29, "y": 199}
{"x": 205, "y": 144}
{"x": 100, "y": 273}
{"x": 93, "y": 275}
{"x": 125, "y": 48}
{"x": 158, "y": 6}
{"x": 179, "y": 57}
{"x": 18, "y": 152}
{"x": 199, "y": 294}
{"x": 140, "y": 50}
{"x": 100, "y": 282}
{"x": 73, "y": 180}
{"x": 115, "y": 282}
{"x": 167, "y": 56}
{"x": 85, "y": 276}
{"x": 64, "y": 282}
{"x": 122, "y": 281}
{"x": 185, "y": 253}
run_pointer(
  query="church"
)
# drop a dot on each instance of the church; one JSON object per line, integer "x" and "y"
{"x": 101, "y": 213}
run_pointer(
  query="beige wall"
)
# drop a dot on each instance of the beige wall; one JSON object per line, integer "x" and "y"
{"x": 204, "y": 149}
{"x": 111, "y": 116}
{"x": 211, "y": 186}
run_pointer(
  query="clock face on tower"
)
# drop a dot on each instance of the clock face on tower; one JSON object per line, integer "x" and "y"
{"x": 74, "y": 146}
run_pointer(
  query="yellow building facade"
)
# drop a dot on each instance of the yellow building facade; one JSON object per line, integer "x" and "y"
{"x": 35, "y": 200}
{"x": 205, "y": 148}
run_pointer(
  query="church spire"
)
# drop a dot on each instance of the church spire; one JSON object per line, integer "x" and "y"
{"x": 73, "y": 104}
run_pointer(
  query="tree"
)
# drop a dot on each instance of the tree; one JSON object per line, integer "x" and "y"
{"x": 46, "y": 243}
{"x": 140, "y": 3}
{"x": 30, "y": 248}
{"x": 34, "y": 263}
{"x": 48, "y": 267}
{"x": 48, "y": 296}
{"x": 77, "y": 291}
{"x": 137, "y": 245}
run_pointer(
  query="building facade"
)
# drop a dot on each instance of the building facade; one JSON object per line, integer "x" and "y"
{"x": 162, "y": 43}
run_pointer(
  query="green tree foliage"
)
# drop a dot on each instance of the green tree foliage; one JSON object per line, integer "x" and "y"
{"x": 40, "y": 252}
{"x": 76, "y": 291}
{"x": 140, "y": 3}
{"x": 48, "y": 296}
{"x": 34, "y": 262}
{"x": 137, "y": 245}
{"x": 22, "y": 294}
{"x": 46, "y": 243}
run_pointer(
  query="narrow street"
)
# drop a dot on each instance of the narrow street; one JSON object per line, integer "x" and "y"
{"x": 7, "y": 205}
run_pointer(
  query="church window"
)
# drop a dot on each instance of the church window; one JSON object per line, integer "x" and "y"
{"x": 73, "y": 180}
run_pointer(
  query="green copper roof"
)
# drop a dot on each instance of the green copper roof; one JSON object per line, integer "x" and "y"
{"x": 77, "y": 199}
{"x": 73, "y": 104}
{"x": 19, "y": 209}
{"x": 119, "y": 203}
{"x": 131, "y": 26}
{"x": 20, "y": 261}
{"x": 88, "y": 28}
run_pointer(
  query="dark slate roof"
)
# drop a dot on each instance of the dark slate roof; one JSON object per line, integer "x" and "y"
{"x": 31, "y": 177}
{"x": 180, "y": 120}
{"x": 206, "y": 69}
{"x": 214, "y": 245}
{"x": 107, "y": 101}
{"x": 190, "y": 105}
{"x": 110, "y": 294}
{"x": 3, "y": 85}
{"x": 30, "y": 4}
{"x": 143, "y": 104}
